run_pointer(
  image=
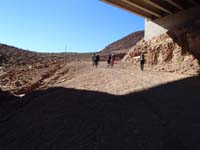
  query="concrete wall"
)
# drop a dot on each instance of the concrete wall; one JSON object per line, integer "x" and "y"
{"x": 162, "y": 25}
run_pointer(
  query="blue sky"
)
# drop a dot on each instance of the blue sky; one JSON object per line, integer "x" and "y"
{"x": 49, "y": 25}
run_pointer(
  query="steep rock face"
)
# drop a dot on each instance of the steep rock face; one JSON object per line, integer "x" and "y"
{"x": 176, "y": 51}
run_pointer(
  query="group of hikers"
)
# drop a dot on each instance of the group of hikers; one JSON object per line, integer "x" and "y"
{"x": 111, "y": 60}
{"x": 96, "y": 59}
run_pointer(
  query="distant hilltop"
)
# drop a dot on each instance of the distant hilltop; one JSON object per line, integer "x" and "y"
{"x": 124, "y": 44}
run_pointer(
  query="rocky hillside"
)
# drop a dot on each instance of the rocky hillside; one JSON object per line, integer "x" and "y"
{"x": 12, "y": 56}
{"x": 176, "y": 51}
{"x": 124, "y": 44}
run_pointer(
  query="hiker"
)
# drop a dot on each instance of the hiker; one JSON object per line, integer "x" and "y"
{"x": 93, "y": 59}
{"x": 97, "y": 59}
{"x": 142, "y": 61}
{"x": 109, "y": 59}
{"x": 112, "y": 60}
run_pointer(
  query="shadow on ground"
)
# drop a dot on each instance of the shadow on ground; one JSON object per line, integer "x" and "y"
{"x": 161, "y": 118}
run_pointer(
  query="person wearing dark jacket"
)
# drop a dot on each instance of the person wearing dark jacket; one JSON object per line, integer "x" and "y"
{"x": 112, "y": 60}
{"x": 142, "y": 60}
{"x": 109, "y": 59}
{"x": 93, "y": 59}
{"x": 97, "y": 59}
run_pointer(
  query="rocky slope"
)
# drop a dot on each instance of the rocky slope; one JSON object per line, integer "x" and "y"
{"x": 176, "y": 51}
{"x": 23, "y": 71}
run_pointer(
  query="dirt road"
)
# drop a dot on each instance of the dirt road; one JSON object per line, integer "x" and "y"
{"x": 117, "y": 80}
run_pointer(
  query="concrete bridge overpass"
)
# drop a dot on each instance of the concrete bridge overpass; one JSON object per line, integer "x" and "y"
{"x": 160, "y": 15}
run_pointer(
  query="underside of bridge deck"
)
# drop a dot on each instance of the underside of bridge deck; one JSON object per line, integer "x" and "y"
{"x": 153, "y": 9}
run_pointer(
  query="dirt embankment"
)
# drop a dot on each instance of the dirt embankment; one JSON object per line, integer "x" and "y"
{"x": 25, "y": 79}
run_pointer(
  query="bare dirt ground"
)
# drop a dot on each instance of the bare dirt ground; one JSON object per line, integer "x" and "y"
{"x": 80, "y": 107}
{"x": 116, "y": 80}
